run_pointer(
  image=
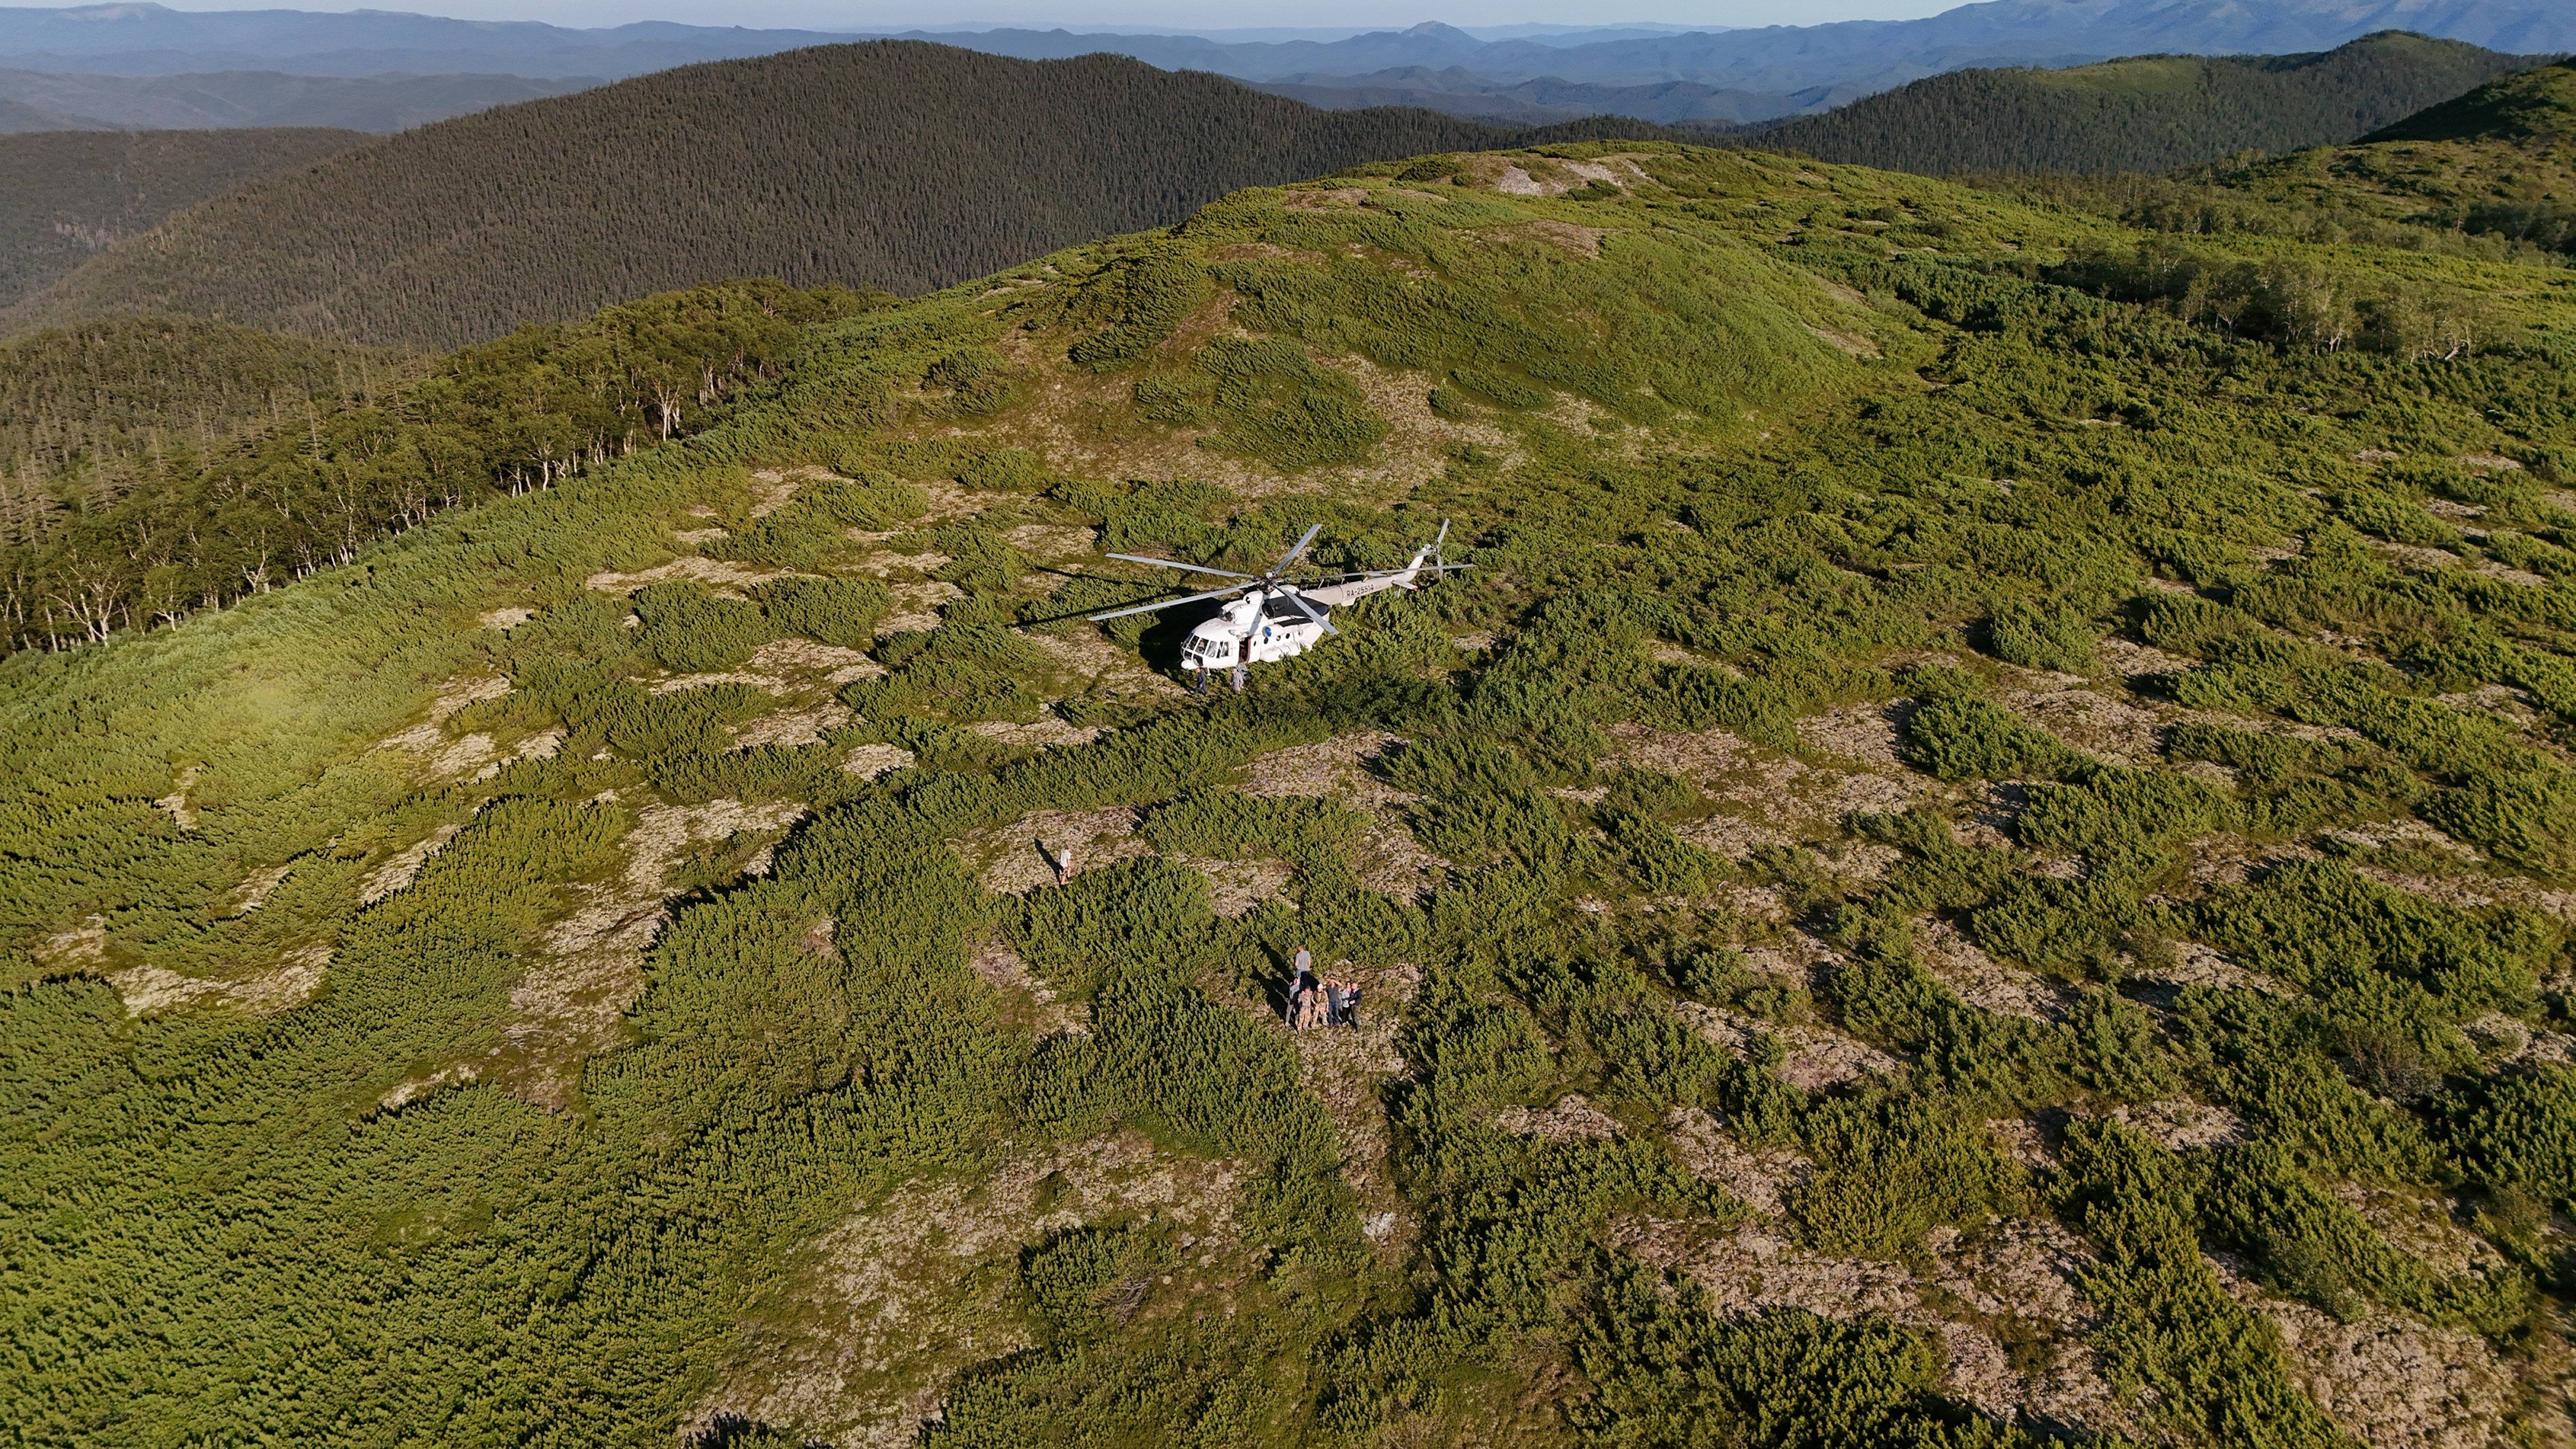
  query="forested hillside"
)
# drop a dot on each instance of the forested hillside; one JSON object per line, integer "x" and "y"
{"x": 877, "y": 165}
{"x": 65, "y": 195}
{"x": 1983, "y": 860}
{"x": 152, "y": 467}
{"x": 2146, "y": 113}
{"x": 2491, "y": 174}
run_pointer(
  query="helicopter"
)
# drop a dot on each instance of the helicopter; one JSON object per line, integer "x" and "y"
{"x": 1271, "y": 618}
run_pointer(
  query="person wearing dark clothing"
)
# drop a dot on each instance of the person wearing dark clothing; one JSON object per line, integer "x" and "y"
{"x": 1351, "y": 1005}
{"x": 1301, "y": 979}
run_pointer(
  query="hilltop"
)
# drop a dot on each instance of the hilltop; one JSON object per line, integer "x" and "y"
{"x": 2145, "y": 113}
{"x": 1978, "y": 862}
{"x": 2491, "y": 173}
{"x": 867, "y": 165}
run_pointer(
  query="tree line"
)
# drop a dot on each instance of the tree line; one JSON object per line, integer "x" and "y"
{"x": 156, "y": 468}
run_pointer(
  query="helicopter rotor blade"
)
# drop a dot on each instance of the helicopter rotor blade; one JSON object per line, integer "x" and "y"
{"x": 1429, "y": 568}
{"x": 1290, "y": 560}
{"x": 1166, "y": 603}
{"x": 1313, "y": 613}
{"x": 1170, "y": 563}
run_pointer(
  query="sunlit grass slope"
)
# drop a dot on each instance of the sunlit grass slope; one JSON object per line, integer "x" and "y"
{"x": 1948, "y": 799}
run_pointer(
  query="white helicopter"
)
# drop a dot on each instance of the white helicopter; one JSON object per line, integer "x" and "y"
{"x": 1275, "y": 619}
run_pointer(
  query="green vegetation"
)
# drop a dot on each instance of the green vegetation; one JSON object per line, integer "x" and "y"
{"x": 1954, "y": 780}
{"x": 2491, "y": 174}
{"x": 66, "y": 194}
{"x": 156, "y": 467}
{"x": 2143, "y": 113}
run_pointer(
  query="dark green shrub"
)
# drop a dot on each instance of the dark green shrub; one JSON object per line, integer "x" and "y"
{"x": 1143, "y": 296}
{"x": 1962, "y": 737}
{"x": 691, "y": 629}
{"x": 871, "y": 501}
{"x": 1074, "y": 1279}
{"x": 2521, "y": 1133}
{"x": 1889, "y": 1171}
{"x": 2038, "y": 637}
{"x": 2527, "y": 820}
{"x": 1669, "y": 1368}
{"x": 836, "y": 611}
{"x": 1140, "y": 916}
{"x": 1004, "y": 470}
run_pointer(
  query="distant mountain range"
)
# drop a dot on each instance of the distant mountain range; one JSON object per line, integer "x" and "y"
{"x": 2140, "y": 113}
{"x": 1846, "y": 58}
{"x": 1462, "y": 92}
{"x": 69, "y": 100}
{"x": 147, "y": 39}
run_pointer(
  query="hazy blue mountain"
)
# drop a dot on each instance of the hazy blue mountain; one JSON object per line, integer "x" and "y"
{"x": 148, "y": 39}
{"x": 224, "y": 100}
{"x": 17, "y": 117}
{"x": 2027, "y": 32}
{"x": 1854, "y": 56}
{"x": 1461, "y": 92}
{"x": 1858, "y": 56}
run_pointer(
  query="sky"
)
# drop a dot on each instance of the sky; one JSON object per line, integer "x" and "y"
{"x": 1350, "y": 16}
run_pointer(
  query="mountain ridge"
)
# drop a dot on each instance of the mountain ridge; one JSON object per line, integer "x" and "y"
{"x": 865, "y": 164}
{"x": 2141, "y": 113}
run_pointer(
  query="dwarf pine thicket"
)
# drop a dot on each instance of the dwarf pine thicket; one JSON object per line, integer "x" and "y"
{"x": 331, "y": 1115}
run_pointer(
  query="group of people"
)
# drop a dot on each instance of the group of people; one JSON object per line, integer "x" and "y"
{"x": 1313, "y": 1003}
